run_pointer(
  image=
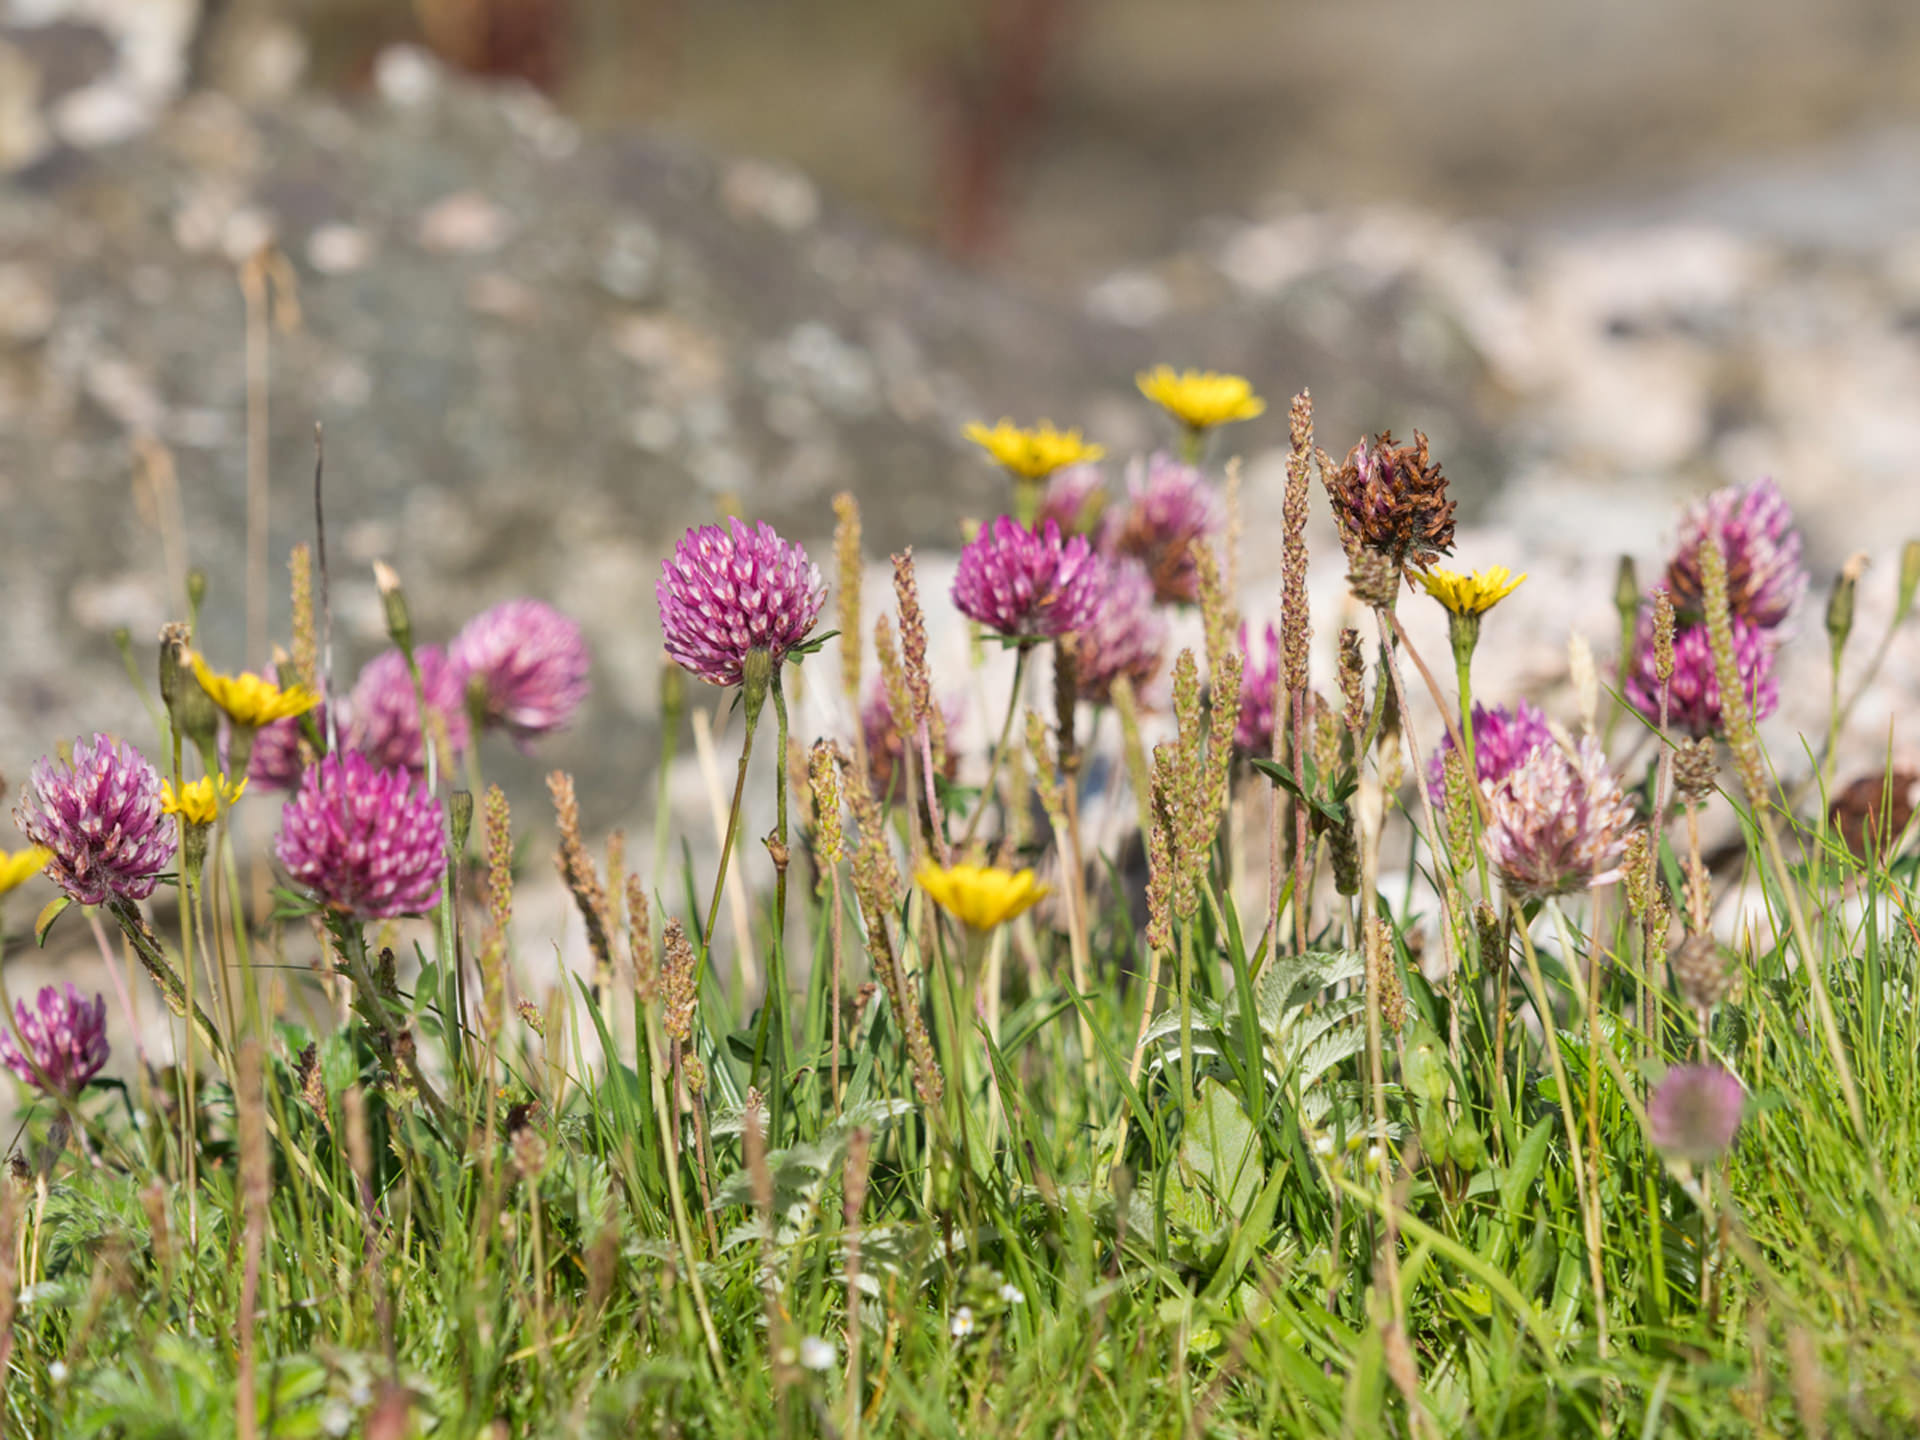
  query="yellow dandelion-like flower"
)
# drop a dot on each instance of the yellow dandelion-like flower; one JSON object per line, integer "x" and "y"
{"x": 1200, "y": 399}
{"x": 196, "y": 802}
{"x": 21, "y": 866}
{"x": 250, "y": 700}
{"x": 1473, "y": 594}
{"x": 1033, "y": 454}
{"x": 981, "y": 896}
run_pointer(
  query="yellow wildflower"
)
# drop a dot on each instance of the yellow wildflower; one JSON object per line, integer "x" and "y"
{"x": 21, "y": 866}
{"x": 981, "y": 896}
{"x": 250, "y": 700}
{"x": 1200, "y": 399}
{"x": 196, "y": 802}
{"x": 1033, "y": 454}
{"x": 1473, "y": 594}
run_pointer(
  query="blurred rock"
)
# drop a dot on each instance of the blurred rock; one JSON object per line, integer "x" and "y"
{"x": 536, "y": 357}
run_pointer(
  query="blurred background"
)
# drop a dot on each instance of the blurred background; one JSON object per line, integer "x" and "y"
{"x": 561, "y": 277}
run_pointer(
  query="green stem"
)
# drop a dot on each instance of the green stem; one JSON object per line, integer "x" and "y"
{"x": 726, "y": 848}
{"x": 773, "y": 1012}
{"x": 1000, "y": 749}
{"x": 1186, "y": 1016}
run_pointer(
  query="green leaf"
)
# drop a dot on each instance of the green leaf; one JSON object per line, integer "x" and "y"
{"x": 1223, "y": 1150}
{"x": 49, "y": 913}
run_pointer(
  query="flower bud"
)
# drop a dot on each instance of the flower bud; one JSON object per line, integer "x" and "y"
{"x": 460, "y": 817}
{"x": 1909, "y": 580}
{"x": 1626, "y": 591}
{"x": 394, "y": 600}
{"x": 1840, "y": 605}
{"x": 194, "y": 713}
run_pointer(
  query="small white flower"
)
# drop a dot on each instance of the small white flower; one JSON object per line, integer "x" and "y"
{"x": 1376, "y": 1157}
{"x": 57, "y": 1372}
{"x": 962, "y": 1323}
{"x": 817, "y": 1354}
{"x": 1011, "y": 1294}
{"x": 1323, "y": 1146}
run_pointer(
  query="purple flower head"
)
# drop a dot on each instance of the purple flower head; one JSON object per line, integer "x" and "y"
{"x": 1073, "y": 500}
{"x": 66, "y": 1038}
{"x": 386, "y": 710}
{"x": 530, "y": 663}
{"x": 1559, "y": 822}
{"x": 886, "y": 752}
{"x": 727, "y": 592}
{"x": 1502, "y": 738}
{"x": 365, "y": 840}
{"x": 1694, "y": 1112}
{"x": 1169, "y": 506}
{"x": 1693, "y": 701}
{"x": 1765, "y": 578}
{"x": 1127, "y": 635}
{"x": 1026, "y": 585}
{"x": 1260, "y": 676}
{"x": 101, "y": 818}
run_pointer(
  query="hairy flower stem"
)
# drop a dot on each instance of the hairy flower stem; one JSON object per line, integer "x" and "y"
{"x": 773, "y": 1009}
{"x": 1582, "y": 1180}
{"x": 726, "y": 845}
{"x": 1000, "y": 750}
{"x": 676, "y": 1195}
{"x": 1186, "y": 1017}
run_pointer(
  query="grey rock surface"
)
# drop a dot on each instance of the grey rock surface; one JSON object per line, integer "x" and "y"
{"x": 537, "y": 358}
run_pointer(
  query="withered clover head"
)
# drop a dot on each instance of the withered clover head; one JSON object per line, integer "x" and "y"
{"x": 1392, "y": 499}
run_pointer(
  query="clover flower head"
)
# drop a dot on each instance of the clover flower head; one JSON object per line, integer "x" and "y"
{"x": 1392, "y": 499}
{"x": 99, "y": 816}
{"x": 1126, "y": 636}
{"x": 386, "y": 709}
{"x": 1754, "y": 524}
{"x": 527, "y": 662}
{"x": 1200, "y": 399}
{"x": 1559, "y": 822}
{"x": 726, "y": 593}
{"x": 1033, "y": 454}
{"x": 1025, "y": 585}
{"x": 1473, "y": 594}
{"x": 1502, "y": 739}
{"x": 252, "y": 700}
{"x": 1694, "y": 1112}
{"x": 66, "y": 1038}
{"x": 1075, "y": 499}
{"x": 1169, "y": 507}
{"x": 981, "y": 897}
{"x": 1693, "y": 696}
{"x": 1253, "y": 732}
{"x": 367, "y": 841}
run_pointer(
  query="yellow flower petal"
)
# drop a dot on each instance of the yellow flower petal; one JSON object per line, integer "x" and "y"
{"x": 196, "y": 802}
{"x": 1033, "y": 454}
{"x": 21, "y": 866}
{"x": 1472, "y": 594}
{"x": 981, "y": 896}
{"x": 250, "y": 700}
{"x": 1200, "y": 399}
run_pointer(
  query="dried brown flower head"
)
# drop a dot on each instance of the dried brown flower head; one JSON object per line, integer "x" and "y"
{"x": 1392, "y": 499}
